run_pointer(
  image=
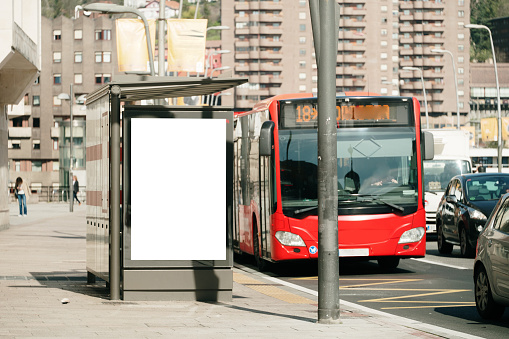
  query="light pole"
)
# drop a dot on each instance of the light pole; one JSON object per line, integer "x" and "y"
{"x": 437, "y": 50}
{"x": 117, "y": 9}
{"x": 209, "y": 59}
{"x": 423, "y": 91}
{"x": 222, "y": 68}
{"x": 499, "y": 138}
{"x": 65, "y": 96}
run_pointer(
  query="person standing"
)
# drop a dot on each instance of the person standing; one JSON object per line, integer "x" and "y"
{"x": 75, "y": 189}
{"x": 22, "y": 191}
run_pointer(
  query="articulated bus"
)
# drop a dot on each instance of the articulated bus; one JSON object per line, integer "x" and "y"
{"x": 380, "y": 149}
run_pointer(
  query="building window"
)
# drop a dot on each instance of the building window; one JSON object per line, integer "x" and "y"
{"x": 461, "y": 70}
{"x": 102, "y": 57}
{"x": 461, "y": 59}
{"x": 78, "y": 78}
{"x": 78, "y": 57}
{"x": 383, "y": 32}
{"x": 383, "y": 67}
{"x": 57, "y": 34}
{"x": 302, "y": 88}
{"x": 383, "y": 55}
{"x": 461, "y": 36}
{"x": 57, "y": 79}
{"x": 461, "y": 14}
{"x": 17, "y": 164}
{"x": 78, "y": 34}
{"x": 302, "y": 64}
{"x": 302, "y": 39}
{"x": 302, "y": 15}
{"x": 57, "y": 56}
{"x": 36, "y": 166}
{"x": 36, "y": 100}
{"x": 102, "y": 78}
{"x": 57, "y": 101}
{"x": 103, "y": 34}
{"x": 55, "y": 147}
{"x": 302, "y": 76}
{"x": 36, "y": 144}
{"x": 302, "y": 52}
{"x": 302, "y": 27}
{"x": 36, "y": 122}
{"x": 461, "y": 48}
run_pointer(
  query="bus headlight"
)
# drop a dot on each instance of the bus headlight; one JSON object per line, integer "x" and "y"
{"x": 289, "y": 239}
{"x": 413, "y": 235}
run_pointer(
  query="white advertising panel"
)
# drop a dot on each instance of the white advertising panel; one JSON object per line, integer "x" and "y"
{"x": 178, "y": 189}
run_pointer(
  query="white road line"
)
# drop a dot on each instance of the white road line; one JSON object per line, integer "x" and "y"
{"x": 442, "y": 264}
{"x": 400, "y": 320}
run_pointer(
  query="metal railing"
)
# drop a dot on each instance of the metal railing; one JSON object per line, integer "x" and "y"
{"x": 52, "y": 194}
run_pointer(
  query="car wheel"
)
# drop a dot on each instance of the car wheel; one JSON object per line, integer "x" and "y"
{"x": 486, "y": 306}
{"x": 443, "y": 246}
{"x": 466, "y": 249}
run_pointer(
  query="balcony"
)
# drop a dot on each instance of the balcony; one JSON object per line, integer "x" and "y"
{"x": 242, "y": 91}
{"x": 242, "y": 68}
{"x": 270, "y": 18}
{"x": 271, "y": 30}
{"x": 20, "y": 132}
{"x": 354, "y": 47}
{"x": 270, "y": 55}
{"x": 433, "y": 4}
{"x": 267, "y": 5}
{"x": 254, "y": 67}
{"x": 274, "y": 91}
{"x": 344, "y": 82}
{"x": 353, "y": 23}
{"x": 276, "y": 80}
{"x": 254, "y": 79}
{"x": 241, "y": 6}
{"x": 270, "y": 67}
{"x": 407, "y": 28}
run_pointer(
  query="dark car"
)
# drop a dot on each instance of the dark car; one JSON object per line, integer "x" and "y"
{"x": 491, "y": 265}
{"x": 463, "y": 210}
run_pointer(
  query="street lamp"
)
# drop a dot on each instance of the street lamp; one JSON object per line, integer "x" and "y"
{"x": 423, "y": 91}
{"x": 499, "y": 138}
{"x": 65, "y": 96}
{"x": 117, "y": 9}
{"x": 438, "y": 50}
{"x": 222, "y": 68}
{"x": 209, "y": 59}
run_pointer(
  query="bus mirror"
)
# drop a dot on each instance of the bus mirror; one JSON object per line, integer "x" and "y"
{"x": 429, "y": 146}
{"x": 267, "y": 138}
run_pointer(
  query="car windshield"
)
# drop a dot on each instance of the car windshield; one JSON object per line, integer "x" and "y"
{"x": 486, "y": 188}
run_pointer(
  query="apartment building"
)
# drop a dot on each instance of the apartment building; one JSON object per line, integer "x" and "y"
{"x": 80, "y": 52}
{"x": 272, "y": 42}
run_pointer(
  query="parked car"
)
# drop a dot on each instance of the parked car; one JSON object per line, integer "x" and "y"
{"x": 463, "y": 210}
{"x": 491, "y": 265}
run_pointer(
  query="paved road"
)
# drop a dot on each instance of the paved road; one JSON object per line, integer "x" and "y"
{"x": 436, "y": 290}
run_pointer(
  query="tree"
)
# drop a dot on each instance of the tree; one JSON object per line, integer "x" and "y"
{"x": 481, "y": 12}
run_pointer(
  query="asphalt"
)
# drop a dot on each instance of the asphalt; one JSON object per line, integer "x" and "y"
{"x": 44, "y": 293}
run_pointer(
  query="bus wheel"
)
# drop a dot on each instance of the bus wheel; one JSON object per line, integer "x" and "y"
{"x": 388, "y": 264}
{"x": 260, "y": 263}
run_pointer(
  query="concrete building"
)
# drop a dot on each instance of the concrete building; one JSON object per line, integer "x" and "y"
{"x": 80, "y": 52}
{"x": 273, "y": 46}
{"x": 20, "y": 61}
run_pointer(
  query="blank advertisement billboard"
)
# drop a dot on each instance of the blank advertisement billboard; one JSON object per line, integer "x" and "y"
{"x": 178, "y": 189}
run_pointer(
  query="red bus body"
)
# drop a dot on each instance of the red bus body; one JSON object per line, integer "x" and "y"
{"x": 258, "y": 203}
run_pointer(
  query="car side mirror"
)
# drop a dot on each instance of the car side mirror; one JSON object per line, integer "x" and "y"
{"x": 267, "y": 138}
{"x": 451, "y": 198}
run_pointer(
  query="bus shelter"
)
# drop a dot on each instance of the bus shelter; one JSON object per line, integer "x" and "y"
{"x": 159, "y": 190}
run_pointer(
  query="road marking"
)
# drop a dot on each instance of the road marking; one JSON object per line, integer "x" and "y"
{"x": 447, "y": 333}
{"x": 441, "y": 264}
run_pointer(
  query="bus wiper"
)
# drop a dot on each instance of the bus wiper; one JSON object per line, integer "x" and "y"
{"x": 307, "y": 209}
{"x": 435, "y": 193}
{"x": 374, "y": 198}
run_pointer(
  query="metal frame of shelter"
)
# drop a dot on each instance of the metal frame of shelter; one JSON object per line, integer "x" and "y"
{"x": 104, "y": 114}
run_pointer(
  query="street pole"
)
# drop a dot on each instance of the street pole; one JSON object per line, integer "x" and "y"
{"x": 162, "y": 49}
{"x": 328, "y": 255}
{"x": 455, "y": 81}
{"x": 71, "y": 188}
{"x": 499, "y": 137}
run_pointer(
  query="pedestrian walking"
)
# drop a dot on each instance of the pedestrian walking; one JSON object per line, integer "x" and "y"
{"x": 75, "y": 189}
{"x": 22, "y": 192}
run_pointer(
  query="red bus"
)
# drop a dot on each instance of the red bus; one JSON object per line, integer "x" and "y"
{"x": 380, "y": 149}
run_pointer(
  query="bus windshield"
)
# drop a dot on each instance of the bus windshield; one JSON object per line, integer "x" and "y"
{"x": 376, "y": 166}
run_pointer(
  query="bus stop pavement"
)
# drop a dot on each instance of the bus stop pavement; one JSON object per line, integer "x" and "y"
{"x": 44, "y": 293}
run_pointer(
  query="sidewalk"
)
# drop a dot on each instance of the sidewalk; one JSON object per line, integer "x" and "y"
{"x": 43, "y": 261}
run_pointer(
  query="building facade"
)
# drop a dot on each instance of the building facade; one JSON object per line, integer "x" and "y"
{"x": 79, "y": 52}
{"x": 20, "y": 61}
{"x": 272, "y": 42}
